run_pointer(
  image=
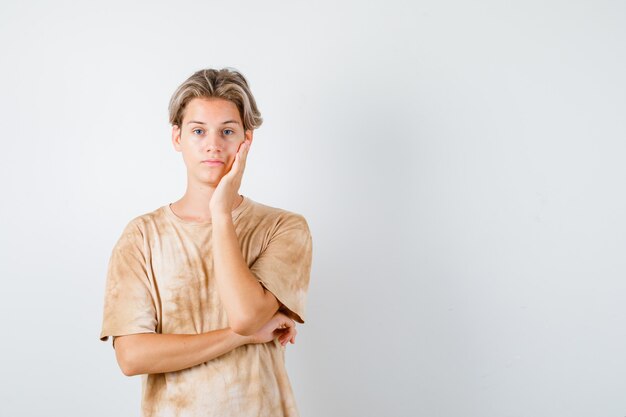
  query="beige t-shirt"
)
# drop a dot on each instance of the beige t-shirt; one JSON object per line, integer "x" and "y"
{"x": 160, "y": 280}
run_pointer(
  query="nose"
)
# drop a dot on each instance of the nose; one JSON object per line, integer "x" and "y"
{"x": 213, "y": 141}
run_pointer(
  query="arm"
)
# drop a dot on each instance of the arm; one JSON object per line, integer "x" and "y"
{"x": 150, "y": 353}
{"x": 247, "y": 303}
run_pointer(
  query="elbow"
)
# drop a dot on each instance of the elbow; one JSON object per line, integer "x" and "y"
{"x": 125, "y": 361}
{"x": 128, "y": 370}
{"x": 126, "y": 366}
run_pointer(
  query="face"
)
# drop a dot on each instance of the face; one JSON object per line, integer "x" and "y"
{"x": 211, "y": 129}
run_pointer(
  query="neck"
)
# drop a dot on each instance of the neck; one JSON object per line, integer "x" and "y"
{"x": 194, "y": 204}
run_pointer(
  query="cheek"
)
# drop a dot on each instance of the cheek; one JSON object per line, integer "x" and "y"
{"x": 236, "y": 145}
{"x": 232, "y": 149}
{"x": 188, "y": 153}
{"x": 190, "y": 147}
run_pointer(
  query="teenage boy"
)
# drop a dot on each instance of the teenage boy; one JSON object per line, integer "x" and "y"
{"x": 202, "y": 294}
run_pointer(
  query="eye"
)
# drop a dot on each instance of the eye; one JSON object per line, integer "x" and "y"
{"x": 197, "y": 130}
{"x": 229, "y": 130}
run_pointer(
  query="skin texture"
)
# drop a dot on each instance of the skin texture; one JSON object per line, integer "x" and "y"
{"x": 212, "y": 129}
{"x": 156, "y": 353}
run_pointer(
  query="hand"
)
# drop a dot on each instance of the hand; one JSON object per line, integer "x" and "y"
{"x": 279, "y": 326}
{"x": 227, "y": 189}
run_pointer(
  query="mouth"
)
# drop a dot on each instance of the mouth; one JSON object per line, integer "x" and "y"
{"x": 213, "y": 162}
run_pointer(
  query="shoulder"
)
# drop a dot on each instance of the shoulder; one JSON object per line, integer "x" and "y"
{"x": 141, "y": 225}
{"x": 277, "y": 217}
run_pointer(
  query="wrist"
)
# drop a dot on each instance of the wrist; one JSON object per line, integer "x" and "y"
{"x": 219, "y": 217}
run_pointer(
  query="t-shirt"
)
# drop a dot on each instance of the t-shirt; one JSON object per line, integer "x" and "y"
{"x": 160, "y": 280}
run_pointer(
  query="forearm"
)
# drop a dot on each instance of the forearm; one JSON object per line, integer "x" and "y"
{"x": 150, "y": 353}
{"x": 241, "y": 293}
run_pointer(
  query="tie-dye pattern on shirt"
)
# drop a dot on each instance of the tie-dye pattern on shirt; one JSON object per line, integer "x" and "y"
{"x": 160, "y": 280}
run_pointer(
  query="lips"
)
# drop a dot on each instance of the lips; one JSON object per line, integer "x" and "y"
{"x": 212, "y": 162}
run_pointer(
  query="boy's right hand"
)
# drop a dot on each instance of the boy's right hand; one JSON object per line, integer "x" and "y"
{"x": 279, "y": 326}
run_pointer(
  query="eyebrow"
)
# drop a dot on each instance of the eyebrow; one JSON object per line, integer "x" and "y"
{"x": 224, "y": 123}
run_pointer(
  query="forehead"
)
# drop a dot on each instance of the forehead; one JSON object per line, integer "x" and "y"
{"x": 210, "y": 110}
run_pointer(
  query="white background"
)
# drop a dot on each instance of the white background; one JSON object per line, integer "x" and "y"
{"x": 460, "y": 164}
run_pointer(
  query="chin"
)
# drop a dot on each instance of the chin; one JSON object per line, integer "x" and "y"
{"x": 211, "y": 180}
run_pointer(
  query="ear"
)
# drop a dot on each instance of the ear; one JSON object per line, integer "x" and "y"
{"x": 176, "y": 137}
{"x": 248, "y": 134}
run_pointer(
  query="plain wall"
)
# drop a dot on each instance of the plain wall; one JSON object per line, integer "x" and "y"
{"x": 460, "y": 164}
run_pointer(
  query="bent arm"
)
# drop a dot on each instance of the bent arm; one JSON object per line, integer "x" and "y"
{"x": 151, "y": 353}
{"x": 247, "y": 303}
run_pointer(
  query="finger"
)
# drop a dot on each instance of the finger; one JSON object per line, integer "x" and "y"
{"x": 287, "y": 323}
{"x": 291, "y": 335}
{"x": 239, "y": 163}
{"x": 281, "y": 332}
{"x": 244, "y": 153}
{"x": 287, "y": 334}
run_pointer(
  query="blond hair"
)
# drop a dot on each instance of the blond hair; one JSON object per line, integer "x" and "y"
{"x": 226, "y": 83}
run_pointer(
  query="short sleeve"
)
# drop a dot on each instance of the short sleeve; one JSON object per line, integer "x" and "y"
{"x": 284, "y": 267}
{"x": 129, "y": 306}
